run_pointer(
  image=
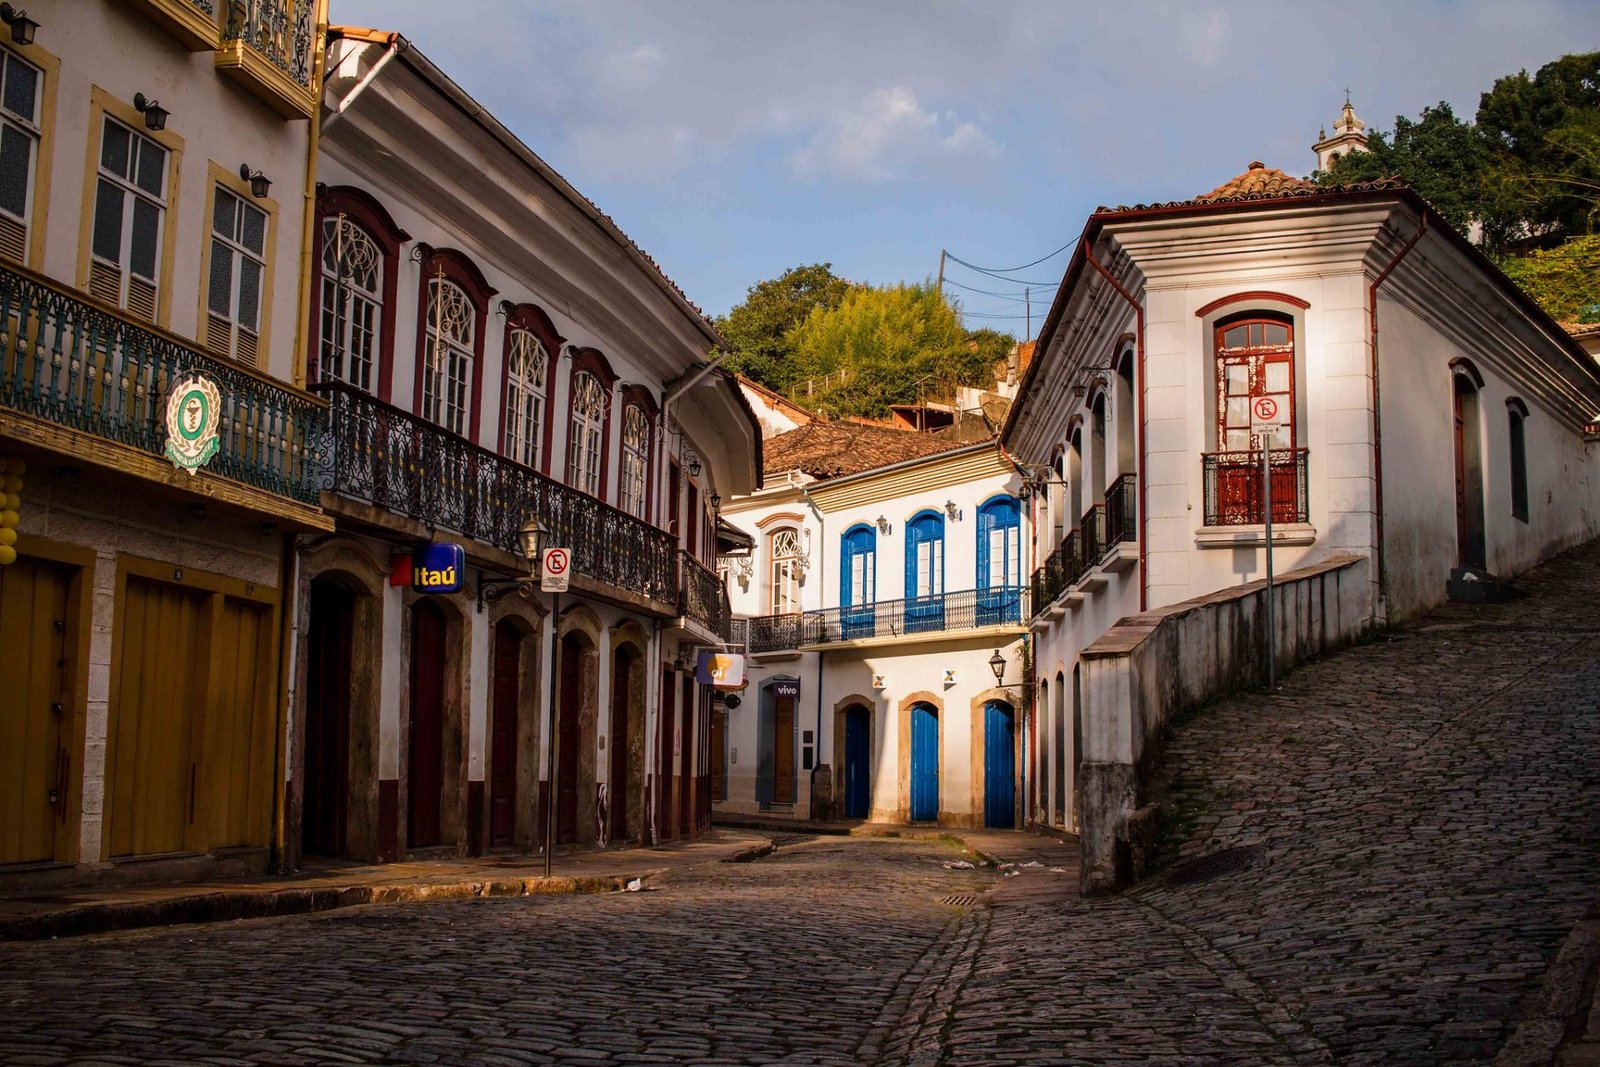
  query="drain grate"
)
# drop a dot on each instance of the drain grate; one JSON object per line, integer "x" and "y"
{"x": 961, "y": 900}
{"x": 1216, "y": 865}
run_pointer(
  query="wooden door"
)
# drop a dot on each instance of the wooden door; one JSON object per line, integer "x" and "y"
{"x": 425, "y": 785}
{"x": 664, "y": 727}
{"x": 1463, "y": 532}
{"x": 329, "y": 657}
{"x": 567, "y": 733}
{"x": 924, "y": 763}
{"x": 689, "y": 718}
{"x": 234, "y": 806}
{"x": 783, "y": 750}
{"x": 999, "y": 765}
{"x": 33, "y": 717}
{"x": 719, "y": 750}
{"x": 856, "y": 763}
{"x": 621, "y": 698}
{"x": 159, "y": 696}
{"x": 503, "y": 741}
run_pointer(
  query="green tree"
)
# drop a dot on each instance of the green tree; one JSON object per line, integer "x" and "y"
{"x": 1444, "y": 159}
{"x": 894, "y": 344}
{"x": 1564, "y": 280}
{"x": 1545, "y": 133}
{"x": 757, "y": 330}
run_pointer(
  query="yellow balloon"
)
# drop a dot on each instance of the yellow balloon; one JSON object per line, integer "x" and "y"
{"x": 11, "y": 484}
{"x": 12, "y": 502}
{"x": 10, "y": 518}
{"x": 10, "y": 465}
{"x": 7, "y": 555}
{"x": 8, "y": 536}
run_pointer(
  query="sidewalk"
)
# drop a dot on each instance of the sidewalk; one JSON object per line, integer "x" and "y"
{"x": 35, "y": 915}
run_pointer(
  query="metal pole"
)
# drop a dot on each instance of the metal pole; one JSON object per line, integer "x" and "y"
{"x": 1266, "y": 494}
{"x": 550, "y": 741}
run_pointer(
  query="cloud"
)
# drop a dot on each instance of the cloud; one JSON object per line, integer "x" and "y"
{"x": 889, "y": 135}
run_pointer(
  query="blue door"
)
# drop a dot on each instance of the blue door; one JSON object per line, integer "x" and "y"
{"x": 858, "y": 583}
{"x": 999, "y": 765}
{"x": 924, "y": 763}
{"x": 1000, "y": 562}
{"x": 856, "y": 797}
{"x": 925, "y": 573}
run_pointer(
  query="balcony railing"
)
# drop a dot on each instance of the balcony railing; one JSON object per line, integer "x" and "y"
{"x": 279, "y": 29}
{"x": 1060, "y": 569}
{"x": 1121, "y": 511}
{"x": 83, "y": 366}
{"x": 774, "y": 633}
{"x": 738, "y": 635}
{"x": 702, "y": 596}
{"x": 1234, "y": 493}
{"x": 407, "y": 465}
{"x": 1092, "y": 534}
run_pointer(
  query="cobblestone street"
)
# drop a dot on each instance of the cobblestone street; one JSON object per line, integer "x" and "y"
{"x": 1417, "y": 826}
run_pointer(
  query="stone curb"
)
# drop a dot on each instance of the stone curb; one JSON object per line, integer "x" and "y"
{"x": 751, "y": 854}
{"x": 1563, "y": 999}
{"x": 245, "y": 904}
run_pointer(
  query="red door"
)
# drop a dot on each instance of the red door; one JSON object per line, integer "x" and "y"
{"x": 425, "y": 787}
{"x": 327, "y": 752}
{"x": 621, "y": 695}
{"x": 685, "y": 751}
{"x": 664, "y": 728}
{"x": 567, "y": 739}
{"x": 503, "y": 770}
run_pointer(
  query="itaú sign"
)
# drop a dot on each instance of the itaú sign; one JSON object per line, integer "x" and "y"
{"x": 438, "y": 568}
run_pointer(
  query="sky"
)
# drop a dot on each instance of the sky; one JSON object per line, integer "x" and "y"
{"x": 733, "y": 139}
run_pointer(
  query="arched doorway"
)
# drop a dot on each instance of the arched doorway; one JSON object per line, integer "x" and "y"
{"x": 425, "y": 762}
{"x": 330, "y": 640}
{"x": 1471, "y": 550}
{"x": 1077, "y": 745}
{"x": 857, "y": 762}
{"x": 626, "y": 743}
{"x": 924, "y": 763}
{"x": 999, "y": 765}
{"x": 505, "y": 731}
{"x": 574, "y": 646}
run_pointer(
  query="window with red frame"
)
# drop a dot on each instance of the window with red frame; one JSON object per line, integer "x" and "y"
{"x": 447, "y": 356}
{"x": 635, "y": 459}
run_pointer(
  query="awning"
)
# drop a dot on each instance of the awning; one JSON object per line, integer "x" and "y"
{"x": 732, "y": 541}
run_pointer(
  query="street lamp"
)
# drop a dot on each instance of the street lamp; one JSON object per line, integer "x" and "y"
{"x": 22, "y": 26}
{"x": 997, "y": 663}
{"x": 530, "y": 540}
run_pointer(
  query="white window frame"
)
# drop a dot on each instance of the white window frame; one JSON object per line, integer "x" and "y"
{"x": 448, "y": 355}
{"x": 527, "y": 381}
{"x": 635, "y": 459}
{"x": 352, "y": 323}
{"x": 28, "y": 127}
{"x": 232, "y": 245}
{"x": 588, "y": 428}
{"x": 131, "y": 192}
{"x": 784, "y": 568}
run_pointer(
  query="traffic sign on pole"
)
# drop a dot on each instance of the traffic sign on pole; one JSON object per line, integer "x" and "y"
{"x": 555, "y": 571}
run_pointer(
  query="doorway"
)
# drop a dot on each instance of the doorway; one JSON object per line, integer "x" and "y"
{"x": 623, "y": 664}
{"x": 573, "y": 647}
{"x": 34, "y": 760}
{"x": 999, "y": 765}
{"x": 857, "y": 755}
{"x": 508, "y": 648}
{"x": 924, "y": 763}
{"x": 425, "y": 759}
{"x": 329, "y": 641}
{"x": 1471, "y": 549}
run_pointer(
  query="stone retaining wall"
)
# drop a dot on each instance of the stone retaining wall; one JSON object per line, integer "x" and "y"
{"x": 1155, "y": 665}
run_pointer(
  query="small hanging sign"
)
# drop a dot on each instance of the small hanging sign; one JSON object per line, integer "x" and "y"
{"x": 439, "y": 567}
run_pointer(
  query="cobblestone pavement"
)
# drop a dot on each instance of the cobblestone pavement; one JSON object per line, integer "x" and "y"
{"x": 1418, "y": 822}
{"x": 1406, "y": 834}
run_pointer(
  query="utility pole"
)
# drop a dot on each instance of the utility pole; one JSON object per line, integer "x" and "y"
{"x": 942, "y": 254}
{"x": 1027, "y": 303}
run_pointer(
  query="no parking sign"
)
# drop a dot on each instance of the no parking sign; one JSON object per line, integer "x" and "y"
{"x": 555, "y": 571}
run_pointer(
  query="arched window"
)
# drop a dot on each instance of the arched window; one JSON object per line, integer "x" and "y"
{"x": 527, "y": 372}
{"x": 1254, "y": 374}
{"x": 785, "y": 563}
{"x": 587, "y": 434}
{"x": 1517, "y": 417}
{"x": 1000, "y": 561}
{"x": 352, "y": 303}
{"x": 925, "y": 572}
{"x": 858, "y": 582}
{"x": 635, "y": 458}
{"x": 448, "y": 355}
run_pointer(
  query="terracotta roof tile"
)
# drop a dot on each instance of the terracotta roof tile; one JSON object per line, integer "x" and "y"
{"x": 1258, "y": 180}
{"x": 835, "y": 449}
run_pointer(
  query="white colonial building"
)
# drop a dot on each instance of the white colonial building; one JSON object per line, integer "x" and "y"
{"x": 888, "y": 571}
{"x": 1432, "y": 426}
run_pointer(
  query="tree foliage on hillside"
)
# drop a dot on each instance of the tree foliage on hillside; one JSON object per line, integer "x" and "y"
{"x": 1526, "y": 170}
{"x": 861, "y": 347}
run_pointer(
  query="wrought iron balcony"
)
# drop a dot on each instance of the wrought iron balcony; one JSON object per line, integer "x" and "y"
{"x": 774, "y": 633}
{"x": 1121, "y": 511}
{"x": 1092, "y": 534}
{"x": 81, "y": 365}
{"x": 407, "y": 465}
{"x": 192, "y": 22}
{"x": 1235, "y": 495}
{"x": 738, "y": 635}
{"x": 1060, "y": 569}
{"x": 267, "y": 47}
{"x": 970, "y": 609}
{"x": 702, "y": 597}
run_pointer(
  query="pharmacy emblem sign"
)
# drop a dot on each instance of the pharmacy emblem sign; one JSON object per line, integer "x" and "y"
{"x": 194, "y": 410}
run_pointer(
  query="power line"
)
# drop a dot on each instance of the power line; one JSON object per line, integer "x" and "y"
{"x": 1013, "y": 270}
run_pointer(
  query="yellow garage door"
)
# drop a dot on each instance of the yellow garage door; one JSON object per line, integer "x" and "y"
{"x": 33, "y": 715}
{"x": 235, "y": 805}
{"x": 161, "y": 680}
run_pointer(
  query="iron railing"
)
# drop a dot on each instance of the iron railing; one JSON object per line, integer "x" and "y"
{"x": 738, "y": 639}
{"x": 84, "y": 366}
{"x": 1121, "y": 511}
{"x": 280, "y": 30}
{"x": 702, "y": 596}
{"x": 204, "y": 6}
{"x": 1092, "y": 534}
{"x": 1063, "y": 566}
{"x": 774, "y": 633}
{"x": 1234, "y": 493}
{"x": 407, "y": 465}
{"x": 969, "y": 609}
